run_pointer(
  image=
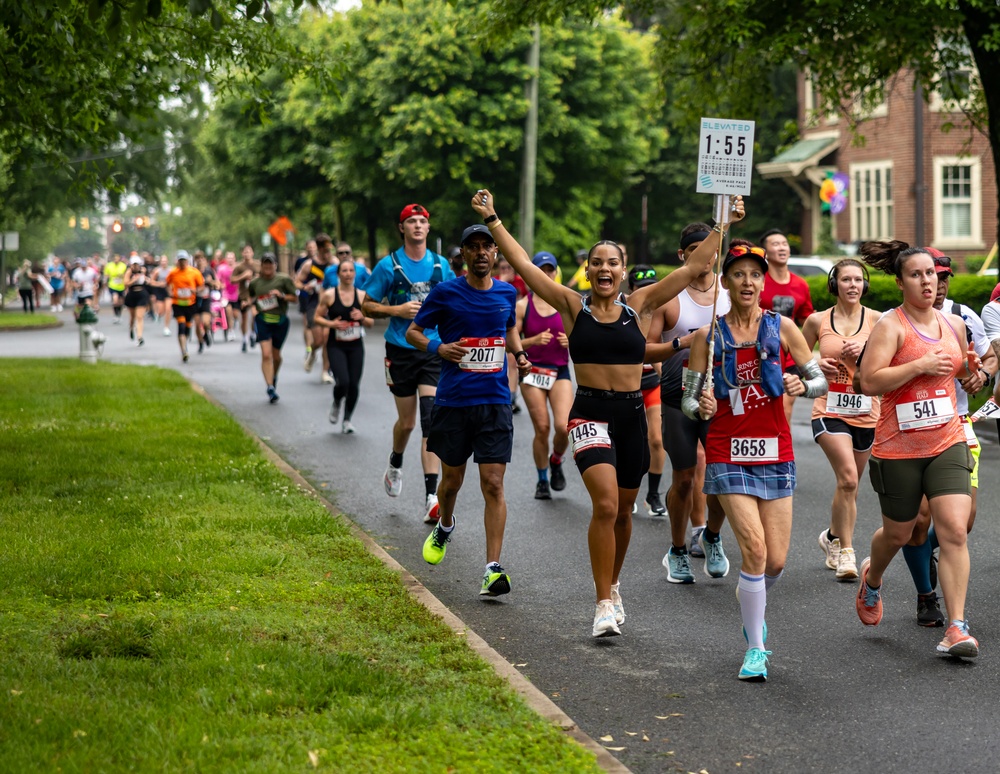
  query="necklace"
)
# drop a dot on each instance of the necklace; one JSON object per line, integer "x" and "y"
{"x": 702, "y": 290}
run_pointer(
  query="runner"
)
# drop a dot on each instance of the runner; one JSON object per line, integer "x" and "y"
{"x": 843, "y": 422}
{"x": 84, "y": 282}
{"x": 920, "y": 552}
{"x": 136, "y": 298}
{"x": 310, "y": 280}
{"x": 607, "y": 342}
{"x": 398, "y": 286}
{"x": 640, "y": 276}
{"x": 203, "y": 317}
{"x": 114, "y": 278}
{"x": 785, "y": 293}
{"x": 242, "y": 274}
{"x": 25, "y": 289}
{"x": 750, "y": 463}
{"x": 57, "y": 279}
{"x": 158, "y": 287}
{"x": 475, "y": 318}
{"x": 230, "y": 291}
{"x": 913, "y": 354}
{"x": 548, "y": 383}
{"x": 669, "y": 340}
{"x": 271, "y": 293}
{"x": 308, "y": 254}
{"x": 182, "y": 284}
{"x": 339, "y": 311}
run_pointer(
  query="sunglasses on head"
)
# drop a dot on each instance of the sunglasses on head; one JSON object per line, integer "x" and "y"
{"x": 737, "y": 250}
{"x": 644, "y": 274}
{"x": 944, "y": 260}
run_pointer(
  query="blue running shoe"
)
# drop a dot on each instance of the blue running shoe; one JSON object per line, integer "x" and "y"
{"x": 678, "y": 567}
{"x": 754, "y": 667}
{"x": 716, "y": 563}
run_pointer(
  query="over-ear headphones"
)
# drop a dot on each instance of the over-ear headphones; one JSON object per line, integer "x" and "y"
{"x": 831, "y": 278}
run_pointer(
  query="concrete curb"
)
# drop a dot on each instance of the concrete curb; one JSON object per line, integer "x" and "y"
{"x": 530, "y": 694}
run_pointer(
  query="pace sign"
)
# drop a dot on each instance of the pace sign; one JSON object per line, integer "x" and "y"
{"x": 725, "y": 156}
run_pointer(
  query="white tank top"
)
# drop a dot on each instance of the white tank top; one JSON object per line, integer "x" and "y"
{"x": 691, "y": 317}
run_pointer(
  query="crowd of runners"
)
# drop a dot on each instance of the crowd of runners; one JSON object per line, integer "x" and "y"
{"x": 699, "y": 367}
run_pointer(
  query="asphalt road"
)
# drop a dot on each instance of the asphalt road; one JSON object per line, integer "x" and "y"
{"x": 840, "y": 697}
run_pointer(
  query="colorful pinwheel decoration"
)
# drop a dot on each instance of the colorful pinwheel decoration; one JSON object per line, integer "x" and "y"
{"x": 833, "y": 192}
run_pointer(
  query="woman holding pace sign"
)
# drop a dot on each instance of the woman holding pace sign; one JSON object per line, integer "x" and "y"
{"x": 607, "y": 425}
{"x": 913, "y": 355}
{"x": 750, "y": 463}
{"x": 843, "y": 421}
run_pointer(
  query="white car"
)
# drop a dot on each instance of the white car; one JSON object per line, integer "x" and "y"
{"x": 809, "y": 266}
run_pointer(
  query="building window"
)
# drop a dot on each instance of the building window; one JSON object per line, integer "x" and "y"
{"x": 957, "y": 202}
{"x": 870, "y": 198}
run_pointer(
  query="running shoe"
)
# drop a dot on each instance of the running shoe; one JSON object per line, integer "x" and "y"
{"x": 272, "y": 394}
{"x": 716, "y": 562}
{"x": 431, "y": 510}
{"x": 327, "y": 377}
{"x": 436, "y": 544}
{"x": 604, "y": 620}
{"x": 958, "y": 642}
{"x": 556, "y": 475}
{"x": 244, "y": 345}
{"x": 334, "y": 415}
{"x": 542, "y": 491}
{"x": 496, "y": 581}
{"x": 933, "y": 568}
{"x": 847, "y": 568}
{"x": 253, "y": 339}
{"x": 184, "y": 357}
{"x": 678, "y": 567}
{"x": 654, "y": 505}
{"x": 347, "y": 428}
{"x": 166, "y": 331}
{"x": 201, "y": 346}
{"x": 831, "y": 549}
{"x": 928, "y": 611}
{"x": 696, "y": 549}
{"x": 754, "y": 667}
{"x": 868, "y": 600}
{"x": 515, "y": 407}
{"x": 141, "y": 341}
{"x": 310, "y": 359}
{"x": 393, "y": 481}
{"x": 616, "y": 603}
{"x": 131, "y": 333}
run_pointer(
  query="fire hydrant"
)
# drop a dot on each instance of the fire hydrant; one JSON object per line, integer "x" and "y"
{"x": 91, "y": 340}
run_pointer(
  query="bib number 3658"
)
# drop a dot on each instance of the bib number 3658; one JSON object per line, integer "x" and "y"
{"x": 753, "y": 450}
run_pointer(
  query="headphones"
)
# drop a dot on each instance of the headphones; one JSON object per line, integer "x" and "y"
{"x": 831, "y": 278}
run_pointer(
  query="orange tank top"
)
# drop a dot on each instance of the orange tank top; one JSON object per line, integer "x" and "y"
{"x": 919, "y": 419}
{"x": 841, "y": 402}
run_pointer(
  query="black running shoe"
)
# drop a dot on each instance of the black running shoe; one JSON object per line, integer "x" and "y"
{"x": 928, "y": 611}
{"x": 542, "y": 491}
{"x": 556, "y": 475}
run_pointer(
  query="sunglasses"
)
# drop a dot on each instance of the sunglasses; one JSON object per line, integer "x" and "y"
{"x": 644, "y": 274}
{"x": 737, "y": 250}
{"x": 944, "y": 260}
{"x": 343, "y": 252}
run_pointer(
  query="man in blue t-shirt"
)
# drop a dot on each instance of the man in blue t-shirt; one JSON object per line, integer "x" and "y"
{"x": 398, "y": 285}
{"x": 476, "y": 325}
{"x": 361, "y": 271}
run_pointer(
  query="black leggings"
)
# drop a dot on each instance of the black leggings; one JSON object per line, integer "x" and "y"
{"x": 28, "y": 299}
{"x": 347, "y": 361}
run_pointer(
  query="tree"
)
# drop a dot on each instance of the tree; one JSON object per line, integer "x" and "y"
{"x": 721, "y": 52}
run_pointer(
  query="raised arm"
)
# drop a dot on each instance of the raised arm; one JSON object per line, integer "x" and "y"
{"x": 562, "y": 298}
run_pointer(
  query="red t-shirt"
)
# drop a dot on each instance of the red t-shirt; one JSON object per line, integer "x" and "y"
{"x": 791, "y": 300}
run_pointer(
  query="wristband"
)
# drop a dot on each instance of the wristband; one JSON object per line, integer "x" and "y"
{"x": 490, "y": 218}
{"x": 432, "y": 345}
{"x": 518, "y": 354}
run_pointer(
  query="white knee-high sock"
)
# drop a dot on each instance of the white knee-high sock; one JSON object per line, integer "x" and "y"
{"x": 753, "y": 601}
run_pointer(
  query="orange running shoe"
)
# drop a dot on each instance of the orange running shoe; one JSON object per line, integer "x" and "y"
{"x": 958, "y": 642}
{"x": 869, "y": 600}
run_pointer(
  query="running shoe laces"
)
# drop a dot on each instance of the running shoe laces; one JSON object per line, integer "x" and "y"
{"x": 604, "y": 620}
{"x": 496, "y": 581}
{"x": 716, "y": 563}
{"x": 870, "y": 596}
{"x": 435, "y": 545}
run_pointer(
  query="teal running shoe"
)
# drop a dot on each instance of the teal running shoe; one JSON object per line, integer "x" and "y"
{"x": 754, "y": 667}
{"x": 716, "y": 562}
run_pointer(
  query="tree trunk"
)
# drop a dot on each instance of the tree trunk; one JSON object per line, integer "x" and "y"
{"x": 979, "y": 23}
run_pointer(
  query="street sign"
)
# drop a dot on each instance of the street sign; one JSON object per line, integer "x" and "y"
{"x": 11, "y": 240}
{"x": 725, "y": 156}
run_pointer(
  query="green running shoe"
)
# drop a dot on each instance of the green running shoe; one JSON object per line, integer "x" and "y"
{"x": 434, "y": 546}
{"x": 495, "y": 581}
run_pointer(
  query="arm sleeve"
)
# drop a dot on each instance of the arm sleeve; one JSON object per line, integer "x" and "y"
{"x": 694, "y": 382}
{"x": 814, "y": 381}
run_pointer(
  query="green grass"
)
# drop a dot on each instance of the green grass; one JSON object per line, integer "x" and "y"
{"x": 13, "y": 319}
{"x": 173, "y": 603}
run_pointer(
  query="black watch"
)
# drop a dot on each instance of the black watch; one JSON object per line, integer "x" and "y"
{"x": 676, "y": 343}
{"x": 518, "y": 354}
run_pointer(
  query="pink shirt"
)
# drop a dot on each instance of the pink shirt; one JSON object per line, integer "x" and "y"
{"x": 231, "y": 291}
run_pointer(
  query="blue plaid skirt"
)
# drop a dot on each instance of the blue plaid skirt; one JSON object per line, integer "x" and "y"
{"x": 767, "y": 482}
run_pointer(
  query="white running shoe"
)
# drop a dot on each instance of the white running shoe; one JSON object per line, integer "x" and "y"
{"x": 348, "y": 428}
{"x": 310, "y": 359}
{"x": 393, "y": 481}
{"x": 431, "y": 511}
{"x": 847, "y": 567}
{"x": 604, "y": 620}
{"x": 327, "y": 377}
{"x": 616, "y": 603}
{"x": 831, "y": 548}
{"x": 334, "y": 415}
{"x": 166, "y": 331}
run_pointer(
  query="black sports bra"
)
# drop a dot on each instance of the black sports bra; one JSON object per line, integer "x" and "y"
{"x": 616, "y": 343}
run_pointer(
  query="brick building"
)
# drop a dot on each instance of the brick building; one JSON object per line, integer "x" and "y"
{"x": 917, "y": 171}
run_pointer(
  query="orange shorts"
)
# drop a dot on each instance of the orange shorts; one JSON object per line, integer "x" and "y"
{"x": 651, "y": 397}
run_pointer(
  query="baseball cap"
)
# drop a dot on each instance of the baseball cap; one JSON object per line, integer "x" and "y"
{"x": 413, "y": 209}
{"x": 183, "y": 255}
{"x": 478, "y": 228}
{"x": 739, "y": 252}
{"x": 135, "y": 259}
{"x": 268, "y": 258}
{"x": 641, "y": 275}
{"x": 545, "y": 258}
{"x": 996, "y": 293}
{"x": 942, "y": 263}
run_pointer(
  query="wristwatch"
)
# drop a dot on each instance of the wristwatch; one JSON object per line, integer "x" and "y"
{"x": 676, "y": 343}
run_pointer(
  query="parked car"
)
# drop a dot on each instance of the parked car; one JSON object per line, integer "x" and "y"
{"x": 809, "y": 266}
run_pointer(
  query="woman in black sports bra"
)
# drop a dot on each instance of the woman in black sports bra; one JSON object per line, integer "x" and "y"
{"x": 607, "y": 424}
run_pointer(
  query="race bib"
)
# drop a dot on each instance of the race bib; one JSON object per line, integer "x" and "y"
{"x": 351, "y": 333}
{"x": 970, "y": 435}
{"x": 988, "y": 410}
{"x": 542, "y": 378}
{"x": 587, "y": 434}
{"x": 184, "y": 293}
{"x": 485, "y": 356}
{"x": 843, "y": 401}
{"x": 924, "y": 409}
{"x": 388, "y": 373}
{"x": 267, "y": 303}
{"x": 743, "y": 450}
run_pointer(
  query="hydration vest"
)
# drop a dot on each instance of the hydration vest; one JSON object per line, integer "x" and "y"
{"x": 768, "y": 349}
{"x": 399, "y": 291}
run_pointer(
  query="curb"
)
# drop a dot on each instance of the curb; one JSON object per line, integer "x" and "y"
{"x": 529, "y": 693}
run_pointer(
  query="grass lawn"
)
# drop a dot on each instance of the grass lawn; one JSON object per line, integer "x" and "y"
{"x": 173, "y": 603}
{"x": 11, "y": 319}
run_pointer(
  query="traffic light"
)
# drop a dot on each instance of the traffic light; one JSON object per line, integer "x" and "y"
{"x": 117, "y": 226}
{"x": 142, "y": 221}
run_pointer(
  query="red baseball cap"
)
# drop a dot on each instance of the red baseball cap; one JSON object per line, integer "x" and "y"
{"x": 942, "y": 263}
{"x": 413, "y": 209}
{"x": 996, "y": 293}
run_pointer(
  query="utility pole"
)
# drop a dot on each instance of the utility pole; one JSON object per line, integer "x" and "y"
{"x": 529, "y": 164}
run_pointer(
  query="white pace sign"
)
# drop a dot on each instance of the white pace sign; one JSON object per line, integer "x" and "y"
{"x": 725, "y": 156}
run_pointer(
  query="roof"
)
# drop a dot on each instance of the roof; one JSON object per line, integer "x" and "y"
{"x": 802, "y": 155}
